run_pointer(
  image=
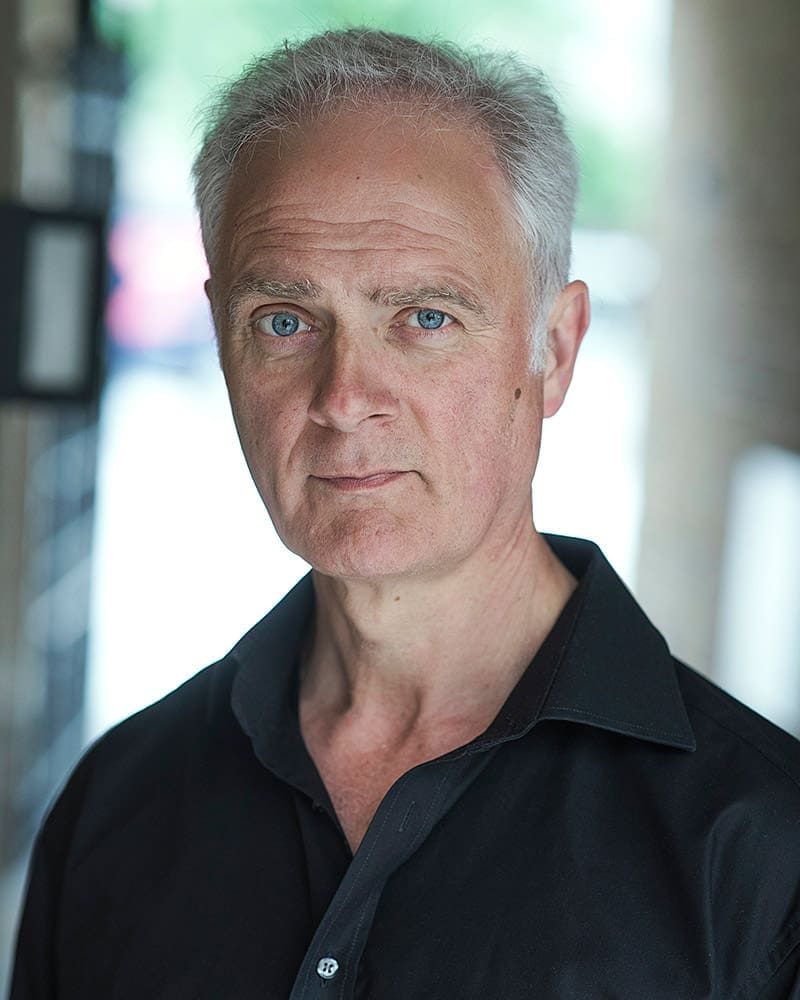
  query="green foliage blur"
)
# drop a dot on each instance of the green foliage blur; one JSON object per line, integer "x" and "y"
{"x": 181, "y": 50}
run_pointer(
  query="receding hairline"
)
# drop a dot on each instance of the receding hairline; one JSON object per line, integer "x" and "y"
{"x": 420, "y": 112}
{"x": 427, "y": 120}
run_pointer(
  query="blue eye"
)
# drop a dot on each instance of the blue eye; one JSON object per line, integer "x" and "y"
{"x": 281, "y": 324}
{"x": 430, "y": 319}
{"x": 285, "y": 324}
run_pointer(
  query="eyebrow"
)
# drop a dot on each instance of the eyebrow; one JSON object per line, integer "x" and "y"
{"x": 252, "y": 285}
{"x": 445, "y": 293}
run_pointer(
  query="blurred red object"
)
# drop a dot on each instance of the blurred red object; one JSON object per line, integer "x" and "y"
{"x": 159, "y": 267}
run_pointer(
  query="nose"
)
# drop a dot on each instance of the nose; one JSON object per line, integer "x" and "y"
{"x": 352, "y": 387}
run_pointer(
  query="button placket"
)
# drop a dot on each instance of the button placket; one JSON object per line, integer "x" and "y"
{"x": 403, "y": 820}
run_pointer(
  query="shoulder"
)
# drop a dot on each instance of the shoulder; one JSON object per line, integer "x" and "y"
{"x": 745, "y": 798}
{"x": 142, "y": 762}
{"x": 727, "y": 730}
{"x": 745, "y": 767}
{"x": 161, "y": 734}
{"x": 185, "y": 748}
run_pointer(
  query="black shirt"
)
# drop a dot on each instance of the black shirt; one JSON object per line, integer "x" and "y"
{"x": 623, "y": 829}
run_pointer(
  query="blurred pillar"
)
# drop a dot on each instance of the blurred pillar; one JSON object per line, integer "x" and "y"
{"x": 8, "y": 117}
{"x": 53, "y": 73}
{"x": 13, "y": 460}
{"x": 726, "y": 341}
{"x": 13, "y": 455}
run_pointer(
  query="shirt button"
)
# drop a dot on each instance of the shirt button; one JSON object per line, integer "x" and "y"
{"x": 327, "y": 967}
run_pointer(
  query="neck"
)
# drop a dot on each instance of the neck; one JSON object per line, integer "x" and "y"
{"x": 393, "y": 659}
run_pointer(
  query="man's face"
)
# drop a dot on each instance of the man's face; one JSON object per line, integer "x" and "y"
{"x": 373, "y": 316}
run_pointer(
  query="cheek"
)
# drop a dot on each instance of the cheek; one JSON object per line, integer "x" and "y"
{"x": 499, "y": 429}
{"x": 266, "y": 427}
{"x": 477, "y": 425}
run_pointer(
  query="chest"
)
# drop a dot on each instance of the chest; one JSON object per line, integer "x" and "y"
{"x": 357, "y": 784}
{"x": 357, "y": 777}
{"x": 535, "y": 882}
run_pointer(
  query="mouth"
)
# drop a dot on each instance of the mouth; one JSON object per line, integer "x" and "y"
{"x": 369, "y": 481}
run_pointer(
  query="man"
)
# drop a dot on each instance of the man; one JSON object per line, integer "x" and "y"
{"x": 457, "y": 760}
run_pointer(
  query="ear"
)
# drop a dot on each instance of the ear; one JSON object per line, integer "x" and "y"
{"x": 209, "y": 290}
{"x": 566, "y": 325}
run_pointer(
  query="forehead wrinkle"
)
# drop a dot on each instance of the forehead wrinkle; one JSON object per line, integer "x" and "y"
{"x": 349, "y": 231}
{"x": 288, "y": 218}
{"x": 446, "y": 217}
{"x": 259, "y": 250}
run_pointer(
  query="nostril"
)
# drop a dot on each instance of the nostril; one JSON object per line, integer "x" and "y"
{"x": 347, "y": 409}
{"x": 344, "y": 405}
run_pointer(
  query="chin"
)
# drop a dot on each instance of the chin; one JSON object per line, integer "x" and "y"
{"x": 371, "y": 548}
{"x": 365, "y": 562}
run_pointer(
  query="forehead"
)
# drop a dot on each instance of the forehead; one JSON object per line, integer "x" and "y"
{"x": 371, "y": 190}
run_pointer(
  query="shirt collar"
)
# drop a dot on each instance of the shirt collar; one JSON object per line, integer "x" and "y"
{"x": 265, "y": 688}
{"x": 603, "y": 665}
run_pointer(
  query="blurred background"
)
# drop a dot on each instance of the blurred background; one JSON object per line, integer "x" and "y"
{"x": 134, "y": 549}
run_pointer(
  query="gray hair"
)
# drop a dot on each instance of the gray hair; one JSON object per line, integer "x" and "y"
{"x": 496, "y": 93}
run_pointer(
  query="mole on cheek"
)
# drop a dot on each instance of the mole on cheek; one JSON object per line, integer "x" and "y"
{"x": 517, "y": 393}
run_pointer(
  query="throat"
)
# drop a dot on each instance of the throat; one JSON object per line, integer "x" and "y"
{"x": 379, "y": 697}
{"x": 358, "y": 770}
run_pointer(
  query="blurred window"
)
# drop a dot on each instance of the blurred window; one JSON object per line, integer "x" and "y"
{"x": 758, "y": 647}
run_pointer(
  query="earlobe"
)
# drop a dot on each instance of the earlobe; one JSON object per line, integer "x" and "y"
{"x": 566, "y": 327}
